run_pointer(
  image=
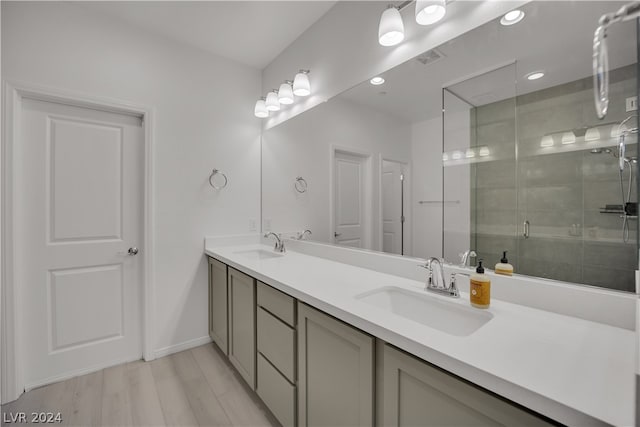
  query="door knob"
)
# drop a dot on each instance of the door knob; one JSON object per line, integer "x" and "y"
{"x": 335, "y": 234}
{"x": 132, "y": 251}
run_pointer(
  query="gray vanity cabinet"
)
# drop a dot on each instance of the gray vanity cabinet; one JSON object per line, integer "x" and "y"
{"x": 218, "y": 303}
{"x": 336, "y": 372}
{"x": 242, "y": 324}
{"x": 411, "y": 392}
{"x": 276, "y": 370}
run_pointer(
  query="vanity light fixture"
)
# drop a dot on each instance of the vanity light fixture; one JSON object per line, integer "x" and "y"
{"x": 547, "y": 141}
{"x": 470, "y": 153}
{"x": 260, "y": 110}
{"x": 445, "y": 157}
{"x": 457, "y": 155}
{"x": 568, "y": 138}
{"x": 484, "y": 151}
{"x": 272, "y": 102}
{"x": 391, "y": 27}
{"x": 606, "y": 132}
{"x": 376, "y": 81}
{"x": 301, "y": 84}
{"x": 430, "y": 11}
{"x": 285, "y": 93}
{"x": 535, "y": 75}
{"x": 593, "y": 134}
{"x": 512, "y": 17}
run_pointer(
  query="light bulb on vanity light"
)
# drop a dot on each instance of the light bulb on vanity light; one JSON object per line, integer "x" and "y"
{"x": 285, "y": 93}
{"x": 391, "y": 27}
{"x": 568, "y": 138}
{"x": 430, "y": 11}
{"x": 301, "y": 84}
{"x": 260, "y": 110}
{"x": 272, "y": 102}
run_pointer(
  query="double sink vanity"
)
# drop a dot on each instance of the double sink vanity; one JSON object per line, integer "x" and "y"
{"x": 336, "y": 336}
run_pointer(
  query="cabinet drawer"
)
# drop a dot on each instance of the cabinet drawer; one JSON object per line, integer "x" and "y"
{"x": 276, "y": 341}
{"x": 278, "y": 303}
{"x": 276, "y": 392}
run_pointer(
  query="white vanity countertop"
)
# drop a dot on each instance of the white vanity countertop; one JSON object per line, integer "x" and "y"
{"x": 574, "y": 371}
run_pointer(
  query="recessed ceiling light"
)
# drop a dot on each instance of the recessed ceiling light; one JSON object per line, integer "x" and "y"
{"x": 535, "y": 75}
{"x": 512, "y": 17}
{"x": 376, "y": 81}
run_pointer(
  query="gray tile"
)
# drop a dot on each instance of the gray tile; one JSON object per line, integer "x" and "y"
{"x": 621, "y": 256}
{"x": 557, "y": 197}
{"x": 568, "y": 272}
{"x": 565, "y": 251}
{"x": 550, "y": 170}
{"x": 622, "y": 280}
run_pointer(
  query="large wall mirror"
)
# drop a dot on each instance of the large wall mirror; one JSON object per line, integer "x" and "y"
{"x": 464, "y": 148}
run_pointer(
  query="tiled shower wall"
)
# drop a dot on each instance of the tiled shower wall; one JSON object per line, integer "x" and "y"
{"x": 560, "y": 194}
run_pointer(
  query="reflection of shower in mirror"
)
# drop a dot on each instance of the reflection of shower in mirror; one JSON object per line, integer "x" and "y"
{"x": 628, "y": 210}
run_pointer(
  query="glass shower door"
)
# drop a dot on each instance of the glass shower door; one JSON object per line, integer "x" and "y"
{"x": 480, "y": 167}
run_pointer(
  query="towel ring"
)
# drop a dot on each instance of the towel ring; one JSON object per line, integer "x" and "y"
{"x": 213, "y": 174}
{"x": 300, "y": 185}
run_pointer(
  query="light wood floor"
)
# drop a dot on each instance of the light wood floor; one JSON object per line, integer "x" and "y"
{"x": 196, "y": 387}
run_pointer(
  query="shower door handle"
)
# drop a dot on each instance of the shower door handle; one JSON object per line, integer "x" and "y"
{"x": 526, "y": 230}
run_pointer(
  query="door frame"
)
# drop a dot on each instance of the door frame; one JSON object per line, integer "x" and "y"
{"x": 367, "y": 235}
{"x": 11, "y": 330}
{"x": 406, "y": 205}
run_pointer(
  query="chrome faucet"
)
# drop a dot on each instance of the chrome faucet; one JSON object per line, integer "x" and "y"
{"x": 465, "y": 256}
{"x": 304, "y": 233}
{"x": 437, "y": 284}
{"x": 453, "y": 286}
{"x": 279, "y": 247}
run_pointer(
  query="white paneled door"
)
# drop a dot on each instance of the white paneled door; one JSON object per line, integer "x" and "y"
{"x": 393, "y": 175}
{"x": 349, "y": 199}
{"x": 79, "y": 221}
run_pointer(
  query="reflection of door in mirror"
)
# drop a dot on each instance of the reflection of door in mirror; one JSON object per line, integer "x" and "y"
{"x": 393, "y": 188}
{"x": 350, "y": 199}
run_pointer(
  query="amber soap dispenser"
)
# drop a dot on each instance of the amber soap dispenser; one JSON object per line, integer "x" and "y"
{"x": 480, "y": 288}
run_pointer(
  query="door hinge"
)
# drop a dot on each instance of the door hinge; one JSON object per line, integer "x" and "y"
{"x": 402, "y": 219}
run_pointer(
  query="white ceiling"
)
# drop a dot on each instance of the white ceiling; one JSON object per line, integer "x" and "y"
{"x": 251, "y": 32}
{"x": 555, "y": 36}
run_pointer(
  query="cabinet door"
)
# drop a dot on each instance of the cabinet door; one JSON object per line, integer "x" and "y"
{"x": 335, "y": 363}
{"x": 415, "y": 393}
{"x": 218, "y": 303}
{"x": 242, "y": 325}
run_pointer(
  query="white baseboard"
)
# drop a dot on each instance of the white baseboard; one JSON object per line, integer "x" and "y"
{"x": 77, "y": 373}
{"x": 161, "y": 352}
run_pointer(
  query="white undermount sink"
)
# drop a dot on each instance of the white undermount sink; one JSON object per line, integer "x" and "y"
{"x": 259, "y": 254}
{"x": 448, "y": 317}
